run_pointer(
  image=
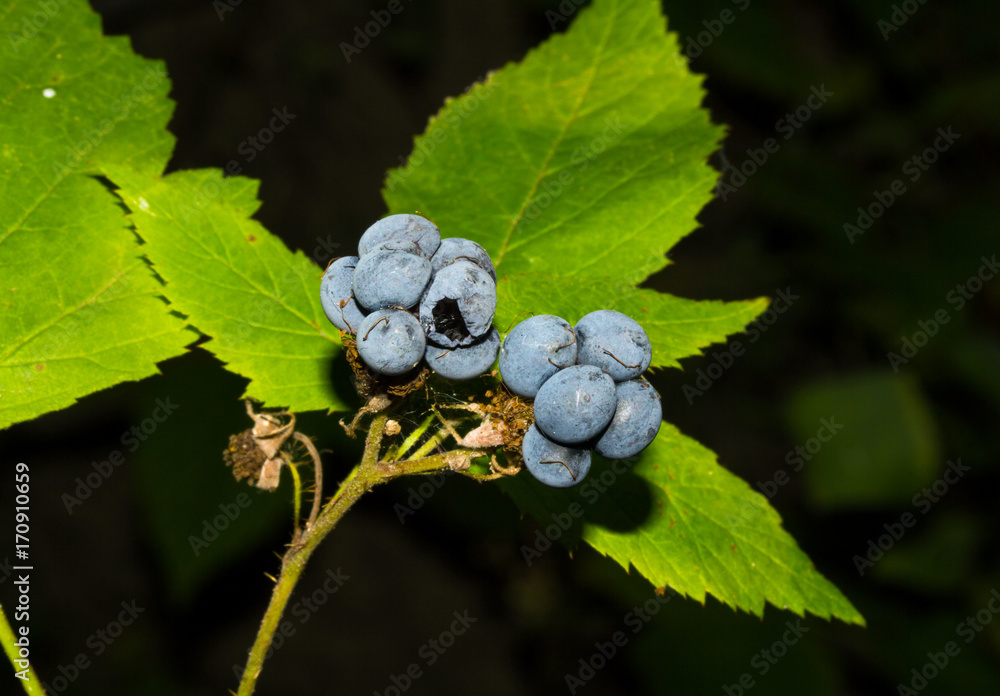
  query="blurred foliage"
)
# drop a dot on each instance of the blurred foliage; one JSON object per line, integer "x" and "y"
{"x": 889, "y": 449}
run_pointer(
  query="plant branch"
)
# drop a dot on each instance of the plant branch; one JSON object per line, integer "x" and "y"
{"x": 370, "y": 472}
{"x": 31, "y": 685}
{"x": 358, "y": 482}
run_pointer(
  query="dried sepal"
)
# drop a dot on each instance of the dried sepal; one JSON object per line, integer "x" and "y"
{"x": 271, "y": 430}
{"x": 270, "y": 474}
{"x": 255, "y": 454}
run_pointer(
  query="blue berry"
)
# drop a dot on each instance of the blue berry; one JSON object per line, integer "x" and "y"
{"x": 575, "y": 404}
{"x": 551, "y": 463}
{"x": 456, "y": 248}
{"x": 464, "y": 362}
{"x": 614, "y": 342}
{"x": 535, "y": 350}
{"x": 390, "y": 341}
{"x": 391, "y": 275}
{"x": 413, "y": 228}
{"x": 636, "y": 421}
{"x": 458, "y": 306}
{"x": 336, "y": 297}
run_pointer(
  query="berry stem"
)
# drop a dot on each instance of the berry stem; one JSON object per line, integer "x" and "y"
{"x": 412, "y": 438}
{"x": 429, "y": 446}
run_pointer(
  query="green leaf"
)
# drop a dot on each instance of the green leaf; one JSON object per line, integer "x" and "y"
{"x": 578, "y": 169}
{"x": 588, "y": 158}
{"x": 683, "y": 521}
{"x": 677, "y": 327}
{"x": 238, "y": 283}
{"x": 79, "y": 310}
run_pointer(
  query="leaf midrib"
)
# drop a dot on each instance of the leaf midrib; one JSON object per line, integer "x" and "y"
{"x": 87, "y": 301}
{"x": 543, "y": 172}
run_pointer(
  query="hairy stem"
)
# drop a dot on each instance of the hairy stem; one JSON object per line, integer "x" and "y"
{"x": 370, "y": 472}
{"x": 31, "y": 685}
{"x": 296, "y": 499}
{"x": 318, "y": 471}
{"x": 361, "y": 480}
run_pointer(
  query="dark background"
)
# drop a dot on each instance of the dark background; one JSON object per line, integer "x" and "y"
{"x": 825, "y": 357}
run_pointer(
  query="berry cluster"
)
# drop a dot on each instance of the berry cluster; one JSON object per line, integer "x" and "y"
{"x": 410, "y": 296}
{"x": 586, "y": 389}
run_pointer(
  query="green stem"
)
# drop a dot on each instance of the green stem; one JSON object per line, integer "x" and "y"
{"x": 412, "y": 438}
{"x": 365, "y": 476}
{"x": 359, "y": 481}
{"x": 297, "y": 500}
{"x": 31, "y": 685}
{"x": 432, "y": 442}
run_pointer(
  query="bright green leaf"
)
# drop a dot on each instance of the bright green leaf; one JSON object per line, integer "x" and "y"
{"x": 588, "y": 158}
{"x": 677, "y": 327}
{"x": 578, "y": 169}
{"x": 683, "y": 521}
{"x": 238, "y": 283}
{"x": 79, "y": 309}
